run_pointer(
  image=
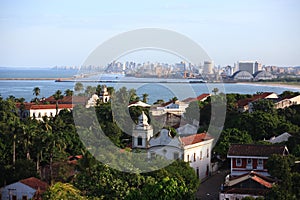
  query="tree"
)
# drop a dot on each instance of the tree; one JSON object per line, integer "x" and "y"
{"x": 69, "y": 92}
{"x": 78, "y": 87}
{"x": 174, "y": 99}
{"x": 62, "y": 191}
{"x": 264, "y": 105}
{"x": 215, "y": 90}
{"x": 36, "y": 92}
{"x": 145, "y": 97}
{"x": 57, "y": 96}
{"x": 231, "y": 136}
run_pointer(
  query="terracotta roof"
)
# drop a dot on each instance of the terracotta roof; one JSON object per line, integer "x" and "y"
{"x": 69, "y": 99}
{"x": 256, "y": 150}
{"x": 35, "y": 183}
{"x": 244, "y": 102}
{"x": 196, "y": 138}
{"x": 33, "y": 106}
{"x": 201, "y": 97}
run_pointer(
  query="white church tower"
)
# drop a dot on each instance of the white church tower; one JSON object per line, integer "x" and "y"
{"x": 142, "y": 133}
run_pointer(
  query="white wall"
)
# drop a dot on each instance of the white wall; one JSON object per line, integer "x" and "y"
{"x": 18, "y": 189}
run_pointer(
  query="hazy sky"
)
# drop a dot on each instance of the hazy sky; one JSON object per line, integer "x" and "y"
{"x": 64, "y": 32}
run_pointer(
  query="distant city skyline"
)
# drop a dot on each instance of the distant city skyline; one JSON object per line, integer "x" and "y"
{"x": 59, "y": 33}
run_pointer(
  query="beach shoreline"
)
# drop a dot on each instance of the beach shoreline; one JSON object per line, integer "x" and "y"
{"x": 273, "y": 84}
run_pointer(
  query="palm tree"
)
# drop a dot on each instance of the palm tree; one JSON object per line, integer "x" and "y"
{"x": 36, "y": 91}
{"x": 69, "y": 92}
{"x": 174, "y": 99}
{"x": 215, "y": 90}
{"x": 145, "y": 97}
{"x": 57, "y": 96}
{"x": 78, "y": 87}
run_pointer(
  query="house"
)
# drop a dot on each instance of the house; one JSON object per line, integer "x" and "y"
{"x": 29, "y": 188}
{"x": 177, "y": 107}
{"x": 250, "y": 184}
{"x": 287, "y": 101}
{"x": 280, "y": 138}
{"x": 38, "y": 111}
{"x": 195, "y": 149}
{"x": 252, "y": 157}
{"x": 246, "y": 104}
{"x": 201, "y": 97}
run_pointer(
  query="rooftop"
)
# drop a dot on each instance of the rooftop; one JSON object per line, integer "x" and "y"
{"x": 254, "y": 150}
{"x": 35, "y": 183}
{"x": 196, "y": 138}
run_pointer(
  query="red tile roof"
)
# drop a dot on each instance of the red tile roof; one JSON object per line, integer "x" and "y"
{"x": 244, "y": 102}
{"x": 33, "y": 106}
{"x": 69, "y": 100}
{"x": 256, "y": 150}
{"x": 199, "y": 98}
{"x": 196, "y": 138}
{"x": 35, "y": 183}
{"x": 203, "y": 96}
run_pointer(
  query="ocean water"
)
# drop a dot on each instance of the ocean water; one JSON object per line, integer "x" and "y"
{"x": 156, "y": 90}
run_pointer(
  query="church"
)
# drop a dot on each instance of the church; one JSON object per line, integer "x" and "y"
{"x": 195, "y": 148}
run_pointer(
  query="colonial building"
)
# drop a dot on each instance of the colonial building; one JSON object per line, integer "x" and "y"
{"x": 142, "y": 133}
{"x": 38, "y": 111}
{"x": 30, "y": 188}
{"x": 246, "y": 104}
{"x": 177, "y": 108}
{"x": 251, "y": 184}
{"x": 195, "y": 149}
{"x": 252, "y": 157}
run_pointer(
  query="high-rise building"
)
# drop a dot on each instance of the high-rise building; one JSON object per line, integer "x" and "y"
{"x": 208, "y": 67}
{"x": 249, "y": 66}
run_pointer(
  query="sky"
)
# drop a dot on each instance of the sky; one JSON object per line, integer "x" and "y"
{"x": 64, "y": 32}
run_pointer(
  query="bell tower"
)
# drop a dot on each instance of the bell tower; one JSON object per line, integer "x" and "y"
{"x": 142, "y": 133}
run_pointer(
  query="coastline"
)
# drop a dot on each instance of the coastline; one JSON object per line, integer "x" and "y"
{"x": 272, "y": 84}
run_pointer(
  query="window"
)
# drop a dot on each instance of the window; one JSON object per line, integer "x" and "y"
{"x": 238, "y": 162}
{"x": 40, "y": 115}
{"x": 260, "y": 164}
{"x": 249, "y": 161}
{"x": 24, "y": 197}
{"x": 197, "y": 171}
{"x": 188, "y": 158}
{"x": 176, "y": 155}
{"x": 14, "y": 197}
{"x": 194, "y": 157}
{"x": 200, "y": 155}
{"x": 140, "y": 141}
{"x": 207, "y": 152}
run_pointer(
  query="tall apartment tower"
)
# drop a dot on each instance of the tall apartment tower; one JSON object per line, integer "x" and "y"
{"x": 208, "y": 67}
{"x": 249, "y": 66}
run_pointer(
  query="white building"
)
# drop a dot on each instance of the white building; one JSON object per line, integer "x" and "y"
{"x": 38, "y": 111}
{"x": 208, "y": 67}
{"x": 195, "y": 149}
{"x": 249, "y": 66}
{"x": 23, "y": 189}
{"x": 142, "y": 133}
{"x": 177, "y": 108}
